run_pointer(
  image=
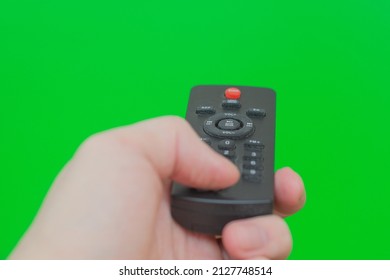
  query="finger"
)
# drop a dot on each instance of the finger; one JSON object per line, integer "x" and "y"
{"x": 290, "y": 195}
{"x": 175, "y": 151}
{"x": 266, "y": 237}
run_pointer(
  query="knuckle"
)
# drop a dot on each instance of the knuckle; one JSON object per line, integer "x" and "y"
{"x": 130, "y": 140}
{"x": 173, "y": 122}
{"x": 98, "y": 143}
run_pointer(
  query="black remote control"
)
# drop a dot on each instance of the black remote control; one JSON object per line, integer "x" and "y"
{"x": 239, "y": 123}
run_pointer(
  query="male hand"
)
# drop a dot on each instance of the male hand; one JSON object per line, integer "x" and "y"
{"x": 112, "y": 201}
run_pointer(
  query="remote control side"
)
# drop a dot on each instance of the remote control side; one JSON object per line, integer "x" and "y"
{"x": 239, "y": 123}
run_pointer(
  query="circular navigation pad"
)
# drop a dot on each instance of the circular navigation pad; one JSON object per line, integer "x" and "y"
{"x": 229, "y": 125}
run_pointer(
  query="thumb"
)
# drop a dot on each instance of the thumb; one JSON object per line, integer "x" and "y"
{"x": 176, "y": 153}
{"x": 266, "y": 237}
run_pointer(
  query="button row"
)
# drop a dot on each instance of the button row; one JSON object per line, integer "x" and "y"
{"x": 230, "y": 104}
{"x": 252, "y": 161}
{"x": 252, "y": 147}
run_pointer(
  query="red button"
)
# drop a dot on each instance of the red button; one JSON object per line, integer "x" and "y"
{"x": 232, "y": 93}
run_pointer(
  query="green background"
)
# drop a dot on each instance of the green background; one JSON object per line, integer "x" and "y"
{"x": 69, "y": 69}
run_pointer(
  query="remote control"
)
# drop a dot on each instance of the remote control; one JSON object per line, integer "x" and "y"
{"x": 239, "y": 123}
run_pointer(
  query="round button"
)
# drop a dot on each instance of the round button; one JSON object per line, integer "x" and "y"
{"x": 227, "y": 144}
{"x": 229, "y": 124}
{"x": 232, "y": 93}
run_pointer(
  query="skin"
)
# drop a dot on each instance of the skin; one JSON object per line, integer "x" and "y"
{"x": 112, "y": 200}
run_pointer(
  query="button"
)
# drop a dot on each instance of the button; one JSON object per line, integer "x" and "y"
{"x": 252, "y": 164}
{"x": 255, "y": 112}
{"x": 253, "y": 144}
{"x": 251, "y": 175}
{"x": 232, "y": 93}
{"x": 205, "y": 110}
{"x": 252, "y": 155}
{"x": 229, "y": 124}
{"x": 231, "y": 104}
{"x": 228, "y": 153}
{"x": 246, "y": 126}
{"x": 227, "y": 145}
{"x": 206, "y": 140}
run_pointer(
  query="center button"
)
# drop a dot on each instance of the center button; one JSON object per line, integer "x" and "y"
{"x": 229, "y": 124}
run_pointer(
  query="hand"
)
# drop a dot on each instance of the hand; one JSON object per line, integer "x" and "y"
{"x": 112, "y": 201}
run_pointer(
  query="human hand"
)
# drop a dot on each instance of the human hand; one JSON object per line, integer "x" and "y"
{"x": 112, "y": 201}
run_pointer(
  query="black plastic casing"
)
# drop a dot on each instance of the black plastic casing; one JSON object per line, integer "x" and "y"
{"x": 208, "y": 212}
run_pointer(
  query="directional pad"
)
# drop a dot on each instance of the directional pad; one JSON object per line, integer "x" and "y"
{"x": 229, "y": 126}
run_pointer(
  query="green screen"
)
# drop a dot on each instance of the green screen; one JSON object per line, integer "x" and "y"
{"x": 69, "y": 69}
